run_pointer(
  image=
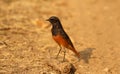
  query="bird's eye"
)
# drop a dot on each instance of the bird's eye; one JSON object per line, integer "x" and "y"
{"x": 53, "y": 20}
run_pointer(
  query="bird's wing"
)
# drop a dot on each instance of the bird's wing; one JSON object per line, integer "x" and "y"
{"x": 66, "y": 37}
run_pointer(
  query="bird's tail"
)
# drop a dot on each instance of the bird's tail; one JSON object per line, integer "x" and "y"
{"x": 75, "y": 51}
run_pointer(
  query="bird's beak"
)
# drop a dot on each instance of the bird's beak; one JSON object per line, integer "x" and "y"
{"x": 47, "y": 19}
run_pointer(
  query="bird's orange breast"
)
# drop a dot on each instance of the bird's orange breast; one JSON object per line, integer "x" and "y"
{"x": 60, "y": 40}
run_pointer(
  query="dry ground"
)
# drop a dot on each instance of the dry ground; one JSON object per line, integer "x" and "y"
{"x": 26, "y": 45}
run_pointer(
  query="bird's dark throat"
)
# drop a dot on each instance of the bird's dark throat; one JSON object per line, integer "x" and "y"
{"x": 56, "y": 28}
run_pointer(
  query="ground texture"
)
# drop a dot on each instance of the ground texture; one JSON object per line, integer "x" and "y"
{"x": 27, "y": 47}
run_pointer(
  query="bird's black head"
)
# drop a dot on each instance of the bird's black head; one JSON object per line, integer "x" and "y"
{"x": 53, "y": 20}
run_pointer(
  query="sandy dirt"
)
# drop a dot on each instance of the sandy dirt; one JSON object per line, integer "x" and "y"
{"x": 27, "y": 47}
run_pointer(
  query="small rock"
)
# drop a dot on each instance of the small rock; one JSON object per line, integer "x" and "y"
{"x": 106, "y": 69}
{"x": 67, "y": 68}
{"x": 63, "y": 67}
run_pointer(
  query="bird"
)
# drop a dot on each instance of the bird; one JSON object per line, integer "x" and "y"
{"x": 61, "y": 37}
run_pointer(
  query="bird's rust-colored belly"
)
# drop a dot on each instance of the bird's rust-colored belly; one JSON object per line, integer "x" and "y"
{"x": 60, "y": 40}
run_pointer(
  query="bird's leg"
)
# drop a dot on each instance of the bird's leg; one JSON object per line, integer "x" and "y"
{"x": 64, "y": 55}
{"x": 59, "y": 51}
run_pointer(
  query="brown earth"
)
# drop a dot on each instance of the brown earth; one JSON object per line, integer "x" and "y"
{"x": 26, "y": 45}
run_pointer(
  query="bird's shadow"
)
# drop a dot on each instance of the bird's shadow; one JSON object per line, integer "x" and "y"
{"x": 86, "y": 54}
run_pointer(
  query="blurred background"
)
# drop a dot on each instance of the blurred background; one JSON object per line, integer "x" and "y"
{"x": 27, "y": 47}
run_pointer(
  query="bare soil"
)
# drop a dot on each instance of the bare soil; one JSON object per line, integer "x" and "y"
{"x": 27, "y": 47}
